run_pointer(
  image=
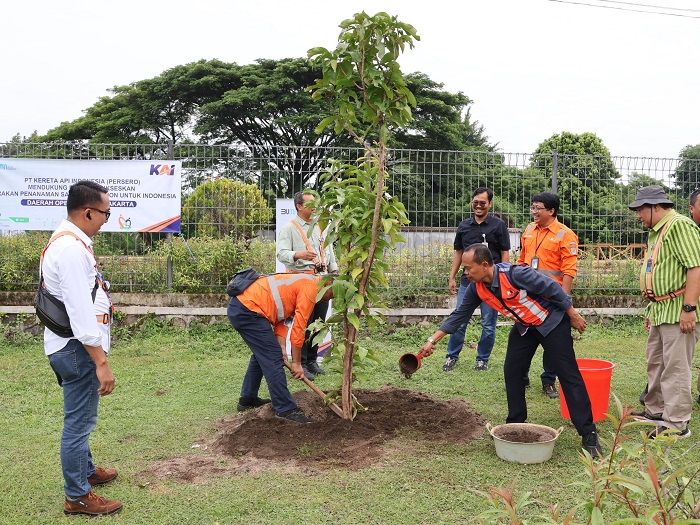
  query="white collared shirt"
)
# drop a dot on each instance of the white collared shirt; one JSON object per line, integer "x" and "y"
{"x": 69, "y": 271}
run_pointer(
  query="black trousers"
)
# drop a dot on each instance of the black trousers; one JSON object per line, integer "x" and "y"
{"x": 558, "y": 347}
{"x": 309, "y": 352}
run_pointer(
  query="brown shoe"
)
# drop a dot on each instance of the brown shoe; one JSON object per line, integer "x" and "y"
{"x": 92, "y": 505}
{"x": 102, "y": 476}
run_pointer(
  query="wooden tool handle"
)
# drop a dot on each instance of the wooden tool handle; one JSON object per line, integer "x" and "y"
{"x": 320, "y": 392}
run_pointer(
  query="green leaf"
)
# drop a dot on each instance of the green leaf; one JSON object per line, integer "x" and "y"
{"x": 353, "y": 320}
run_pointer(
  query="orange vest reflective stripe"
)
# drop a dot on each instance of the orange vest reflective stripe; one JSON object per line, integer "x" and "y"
{"x": 526, "y": 309}
{"x": 645, "y": 279}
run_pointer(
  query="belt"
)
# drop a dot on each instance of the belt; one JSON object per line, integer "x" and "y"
{"x": 310, "y": 272}
{"x": 656, "y": 298}
{"x": 104, "y": 318}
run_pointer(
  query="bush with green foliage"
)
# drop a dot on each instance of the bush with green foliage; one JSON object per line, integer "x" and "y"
{"x": 225, "y": 207}
{"x": 19, "y": 267}
{"x": 205, "y": 265}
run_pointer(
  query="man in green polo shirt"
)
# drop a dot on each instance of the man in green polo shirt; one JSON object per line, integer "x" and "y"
{"x": 301, "y": 248}
{"x": 670, "y": 280}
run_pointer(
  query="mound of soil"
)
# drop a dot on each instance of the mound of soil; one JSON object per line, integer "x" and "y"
{"x": 257, "y": 440}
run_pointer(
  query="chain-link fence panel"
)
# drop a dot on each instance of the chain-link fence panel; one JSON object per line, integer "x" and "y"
{"x": 229, "y": 196}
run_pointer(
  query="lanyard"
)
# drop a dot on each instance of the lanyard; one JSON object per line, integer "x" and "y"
{"x": 540, "y": 244}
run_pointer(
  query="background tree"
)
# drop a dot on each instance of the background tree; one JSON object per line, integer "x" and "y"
{"x": 688, "y": 171}
{"x": 363, "y": 82}
{"x": 151, "y": 111}
{"x": 442, "y": 136}
{"x": 270, "y": 112}
{"x": 586, "y": 175}
{"x": 262, "y": 107}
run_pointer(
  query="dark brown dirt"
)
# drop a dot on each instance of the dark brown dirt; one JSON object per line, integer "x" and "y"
{"x": 257, "y": 440}
{"x": 524, "y": 435}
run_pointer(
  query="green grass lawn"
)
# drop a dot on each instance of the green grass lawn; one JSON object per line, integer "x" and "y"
{"x": 174, "y": 384}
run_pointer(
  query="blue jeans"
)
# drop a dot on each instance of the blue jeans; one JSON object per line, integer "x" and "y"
{"x": 77, "y": 372}
{"x": 489, "y": 317}
{"x": 266, "y": 360}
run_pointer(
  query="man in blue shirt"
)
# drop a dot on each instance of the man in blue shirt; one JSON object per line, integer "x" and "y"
{"x": 491, "y": 231}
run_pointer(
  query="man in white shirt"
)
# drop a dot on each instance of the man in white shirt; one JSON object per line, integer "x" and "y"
{"x": 70, "y": 274}
{"x": 301, "y": 249}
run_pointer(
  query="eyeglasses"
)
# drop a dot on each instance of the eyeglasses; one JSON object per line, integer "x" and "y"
{"x": 105, "y": 213}
{"x": 535, "y": 208}
{"x": 480, "y": 204}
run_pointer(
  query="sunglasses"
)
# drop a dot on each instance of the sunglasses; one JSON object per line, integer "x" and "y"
{"x": 105, "y": 213}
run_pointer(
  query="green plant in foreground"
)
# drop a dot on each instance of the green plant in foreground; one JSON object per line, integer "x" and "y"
{"x": 637, "y": 482}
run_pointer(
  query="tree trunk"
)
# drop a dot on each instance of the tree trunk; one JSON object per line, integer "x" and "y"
{"x": 350, "y": 337}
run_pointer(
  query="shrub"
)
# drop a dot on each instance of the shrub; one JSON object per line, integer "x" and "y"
{"x": 225, "y": 207}
{"x": 19, "y": 267}
{"x": 205, "y": 265}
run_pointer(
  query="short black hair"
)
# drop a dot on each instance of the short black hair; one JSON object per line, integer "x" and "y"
{"x": 480, "y": 253}
{"x": 84, "y": 193}
{"x": 549, "y": 199}
{"x": 488, "y": 191}
{"x": 694, "y": 197}
{"x": 299, "y": 197}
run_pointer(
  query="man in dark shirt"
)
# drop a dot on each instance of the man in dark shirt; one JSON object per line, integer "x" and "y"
{"x": 491, "y": 231}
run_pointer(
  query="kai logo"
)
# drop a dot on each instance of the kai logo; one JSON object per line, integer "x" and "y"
{"x": 162, "y": 169}
{"x": 8, "y": 167}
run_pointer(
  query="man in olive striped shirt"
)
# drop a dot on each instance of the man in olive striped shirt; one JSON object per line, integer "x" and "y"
{"x": 670, "y": 280}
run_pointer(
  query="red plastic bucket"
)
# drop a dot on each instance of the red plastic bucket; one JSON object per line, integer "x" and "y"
{"x": 597, "y": 376}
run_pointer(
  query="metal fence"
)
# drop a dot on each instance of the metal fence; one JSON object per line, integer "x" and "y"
{"x": 227, "y": 225}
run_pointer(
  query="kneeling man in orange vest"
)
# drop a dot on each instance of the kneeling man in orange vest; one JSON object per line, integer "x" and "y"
{"x": 543, "y": 315}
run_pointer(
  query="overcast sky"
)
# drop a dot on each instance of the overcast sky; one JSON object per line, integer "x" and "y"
{"x": 532, "y": 67}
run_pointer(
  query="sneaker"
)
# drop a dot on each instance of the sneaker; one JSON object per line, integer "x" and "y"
{"x": 102, "y": 476}
{"x": 295, "y": 416}
{"x": 315, "y": 369}
{"x": 92, "y": 505}
{"x": 550, "y": 391}
{"x": 249, "y": 403}
{"x": 450, "y": 364}
{"x": 590, "y": 444}
{"x": 643, "y": 415}
{"x": 668, "y": 432}
{"x": 481, "y": 366}
{"x": 307, "y": 373}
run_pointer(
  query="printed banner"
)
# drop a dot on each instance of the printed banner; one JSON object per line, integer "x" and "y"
{"x": 284, "y": 213}
{"x": 144, "y": 195}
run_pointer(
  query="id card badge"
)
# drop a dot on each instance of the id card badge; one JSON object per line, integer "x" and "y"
{"x": 535, "y": 263}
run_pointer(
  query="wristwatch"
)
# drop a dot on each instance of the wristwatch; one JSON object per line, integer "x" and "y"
{"x": 431, "y": 341}
{"x": 689, "y": 307}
